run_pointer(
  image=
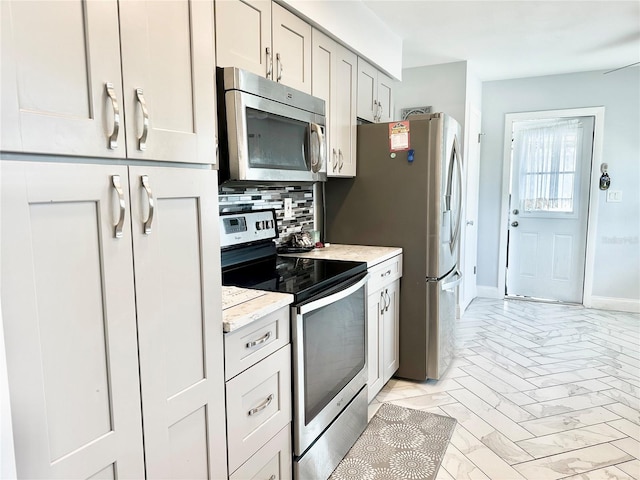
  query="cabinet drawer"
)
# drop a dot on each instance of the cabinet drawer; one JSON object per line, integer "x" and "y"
{"x": 272, "y": 461}
{"x": 250, "y": 344}
{"x": 384, "y": 273}
{"x": 258, "y": 405}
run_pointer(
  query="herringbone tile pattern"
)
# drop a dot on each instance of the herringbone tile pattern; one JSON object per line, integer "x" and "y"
{"x": 540, "y": 391}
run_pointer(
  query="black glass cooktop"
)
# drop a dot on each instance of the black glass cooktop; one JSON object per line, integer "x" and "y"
{"x": 302, "y": 277}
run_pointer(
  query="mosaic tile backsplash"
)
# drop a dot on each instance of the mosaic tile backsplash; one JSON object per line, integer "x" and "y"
{"x": 233, "y": 198}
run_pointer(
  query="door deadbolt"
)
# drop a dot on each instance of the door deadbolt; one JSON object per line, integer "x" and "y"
{"x": 514, "y": 224}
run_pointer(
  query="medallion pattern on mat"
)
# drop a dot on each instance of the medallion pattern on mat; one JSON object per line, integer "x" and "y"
{"x": 398, "y": 444}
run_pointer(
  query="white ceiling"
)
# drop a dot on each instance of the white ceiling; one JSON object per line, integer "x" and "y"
{"x": 515, "y": 38}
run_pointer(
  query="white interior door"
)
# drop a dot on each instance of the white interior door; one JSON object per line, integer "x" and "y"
{"x": 469, "y": 246}
{"x": 549, "y": 207}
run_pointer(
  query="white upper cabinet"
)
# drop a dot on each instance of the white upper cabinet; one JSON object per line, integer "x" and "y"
{"x": 266, "y": 39}
{"x": 335, "y": 80}
{"x": 62, "y": 80}
{"x": 168, "y": 80}
{"x": 375, "y": 94}
{"x": 243, "y": 35}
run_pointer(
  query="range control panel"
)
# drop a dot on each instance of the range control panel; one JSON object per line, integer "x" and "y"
{"x": 247, "y": 227}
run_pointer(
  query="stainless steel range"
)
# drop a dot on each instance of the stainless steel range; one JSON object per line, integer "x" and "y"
{"x": 328, "y": 334}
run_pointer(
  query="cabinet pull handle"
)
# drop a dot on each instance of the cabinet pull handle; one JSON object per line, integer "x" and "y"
{"x": 113, "y": 138}
{"x": 386, "y": 274}
{"x": 341, "y": 157}
{"x": 262, "y": 339}
{"x": 152, "y": 203}
{"x": 380, "y": 110}
{"x": 272, "y": 477}
{"x": 142, "y": 141}
{"x": 279, "y": 67}
{"x": 269, "y": 64}
{"x": 387, "y": 303}
{"x": 261, "y": 407}
{"x": 335, "y": 158}
{"x": 383, "y": 302}
{"x": 375, "y": 110}
{"x": 115, "y": 180}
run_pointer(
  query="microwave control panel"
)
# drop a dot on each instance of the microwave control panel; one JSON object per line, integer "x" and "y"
{"x": 247, "y": 227}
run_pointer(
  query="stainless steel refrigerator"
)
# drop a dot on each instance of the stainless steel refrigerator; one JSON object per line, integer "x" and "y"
{"x": 409, "y": 198}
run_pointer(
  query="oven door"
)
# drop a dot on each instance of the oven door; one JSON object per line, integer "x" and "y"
{"x": 328, "y": 336}
{"x": 271, "y": 141}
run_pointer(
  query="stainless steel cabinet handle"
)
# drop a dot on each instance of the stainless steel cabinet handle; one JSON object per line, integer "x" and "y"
{"x": 261, "y": 407}
{"x": 272, "y": 477}
{"x": 335, "y": 162}
{"x": 262, "y": 339}
{"x": 470, "y": 222}
{"x": 375, "y": 110}
{"x": 152, "y": 204}
{"x": 341, "y": 157}
{"x": 386, "y": 274}
{"x": 387, "y": 300}
{"x": 279, "y": 67}
{"x": 383, "y": 302}
{"x": 113, "y": 138}
{"x": 269, "y": 63}
{"x": 115, "y": 180}
{"x": 142, "y": 141}
{"x": 380, "y": 110}
{"x": 514, "y": 224}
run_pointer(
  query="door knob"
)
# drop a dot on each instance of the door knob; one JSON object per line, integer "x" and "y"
{"x": 514, "y": 224}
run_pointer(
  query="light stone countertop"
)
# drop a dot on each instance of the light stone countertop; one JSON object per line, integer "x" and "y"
{"x": 241, "y": 306}
{"x": 358, "y": 253}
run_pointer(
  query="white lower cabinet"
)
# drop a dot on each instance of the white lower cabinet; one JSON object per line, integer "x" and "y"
{"x": 258, "y": 403}
{"x": 383, "y": 316}
{"x": 111, "y": 315}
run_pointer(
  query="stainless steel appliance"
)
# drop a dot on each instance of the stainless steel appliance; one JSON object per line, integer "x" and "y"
{"x": 268, "y": 131}
{"x": 412, "y": 199}
{"x": 328, "y": 320}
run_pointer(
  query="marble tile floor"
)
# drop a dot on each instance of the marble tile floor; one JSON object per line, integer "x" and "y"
{"x": 540, "y": 391}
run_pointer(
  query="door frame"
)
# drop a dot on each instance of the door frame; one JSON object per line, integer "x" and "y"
{"x": 596, "y": 161}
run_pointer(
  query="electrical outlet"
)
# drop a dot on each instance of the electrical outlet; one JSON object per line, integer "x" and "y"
{"x": 614, "y": 196}
{"x": 288, "y": 208}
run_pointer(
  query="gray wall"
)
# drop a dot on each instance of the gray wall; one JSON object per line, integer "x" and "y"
{"x": 443, "y": 87}
{"x": 617, "y": 264}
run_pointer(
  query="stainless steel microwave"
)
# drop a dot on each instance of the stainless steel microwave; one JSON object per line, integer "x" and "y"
{"x": 268, "y": 131}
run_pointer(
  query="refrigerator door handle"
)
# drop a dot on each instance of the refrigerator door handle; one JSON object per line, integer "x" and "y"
{"x": 455, "y": 159}
{"x": 455, "y": 283}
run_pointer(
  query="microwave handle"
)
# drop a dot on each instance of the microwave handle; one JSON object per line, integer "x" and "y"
{"x": 317, "y": 163}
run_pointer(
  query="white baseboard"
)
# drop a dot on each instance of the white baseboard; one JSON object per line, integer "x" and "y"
{"x": 613, "y": 303}
{"x": 489, "y": 292}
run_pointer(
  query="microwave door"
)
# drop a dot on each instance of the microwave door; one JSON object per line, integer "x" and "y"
{"x": 269, "y": 140}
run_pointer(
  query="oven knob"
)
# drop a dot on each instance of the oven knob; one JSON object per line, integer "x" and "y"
{"x": 259, "y": 225}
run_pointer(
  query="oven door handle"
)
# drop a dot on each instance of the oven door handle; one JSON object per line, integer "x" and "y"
{"x": 324, "y": 301}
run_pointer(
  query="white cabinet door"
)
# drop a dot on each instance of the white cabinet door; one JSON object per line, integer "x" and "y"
{"x": 375, "y": 94}
{"x": 385, "y": 98}
{"x": 57, "y": 59}
{"x": 390, "y": 331}
{"x": 345, "y": 86}
{"x": 323, "y": 86}
{"x": 291, "y": 40}
{"x": 335, "y": 80}
{"x": 68, "y": 310}
{"x": 168, "y": 79}
{"x": 367, "y": 91}
{"x": 375, "y": 307}
{"x": 178, "y": 297}
{"x": 243, "y": 35}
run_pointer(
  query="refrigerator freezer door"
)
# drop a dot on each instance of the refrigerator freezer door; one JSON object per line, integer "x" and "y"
{"x": 441, "y": 315}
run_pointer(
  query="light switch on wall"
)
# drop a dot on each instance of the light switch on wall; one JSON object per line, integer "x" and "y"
{"x": 288, "y": 208}
{"x": 614, "y": 196}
